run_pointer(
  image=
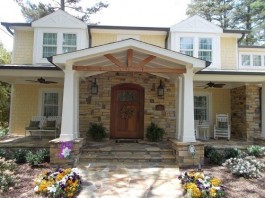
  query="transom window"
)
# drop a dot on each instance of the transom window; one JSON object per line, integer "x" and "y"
{"x": 186, "y": 45}
{"x": 56, "y": 43}
{"x": 252, "y": 60}
{"x": 201, "y": 108}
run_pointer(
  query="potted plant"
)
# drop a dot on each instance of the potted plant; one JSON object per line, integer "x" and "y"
{"x": 97, "y": 131}
{"x": 154, "y": 133}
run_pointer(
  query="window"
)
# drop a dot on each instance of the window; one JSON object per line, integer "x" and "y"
{"x": 252, "y": 60}
{"x": 56, "y": 43}
{"x": 205, "y": 49}
{"x": 186, "y": 45}
{"x": 201, "y": 104}
{"x": 256, "y": 60}
{"x": 69, "y": 42}
{"x": 50, "y": 104}
{"x": 49, "y": 44}
{"x": 245, "y": 60}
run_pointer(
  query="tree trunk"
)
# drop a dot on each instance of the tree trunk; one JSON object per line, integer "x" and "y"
{"x": 62, "y": 5}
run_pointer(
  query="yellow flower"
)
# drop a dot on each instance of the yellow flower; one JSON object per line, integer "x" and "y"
{"x": 212, "y": 192}
{"x": 196, "y": 192}
{"x": 199, "y": 175}
{"x": 190, "y": 185}
{"x": 215, "y": 181}
{"x": 191, "y": 173}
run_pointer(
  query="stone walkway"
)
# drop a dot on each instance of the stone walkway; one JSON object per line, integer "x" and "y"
{"x": 129, "y": 180}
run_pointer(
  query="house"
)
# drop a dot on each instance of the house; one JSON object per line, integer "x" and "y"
{"x": 97, "y": 74}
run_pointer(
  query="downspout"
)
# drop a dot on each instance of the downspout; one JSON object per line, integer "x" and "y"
{"x": 242, "y": 37}
{"x": 89, "y": 37}
{"x": 166, "y": 40}
{"x": 51, "y": 61}
{"x": 9, "y": 30}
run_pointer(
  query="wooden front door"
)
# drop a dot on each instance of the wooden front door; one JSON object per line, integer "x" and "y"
{"x": 127, "y": 111}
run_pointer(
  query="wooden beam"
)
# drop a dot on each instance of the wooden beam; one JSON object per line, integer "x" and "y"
{"x": 129, "y": 57}
{"x": 114, "y": 60}
{"x": 130, "y": 69}
{"x": 145, "y": 61}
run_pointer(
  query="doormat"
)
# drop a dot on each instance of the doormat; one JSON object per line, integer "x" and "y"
{"x": 126, "y": 141}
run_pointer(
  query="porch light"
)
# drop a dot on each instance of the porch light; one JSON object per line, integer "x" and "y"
{"x": 160, "y": 89}
{"x": 94, "y": 87}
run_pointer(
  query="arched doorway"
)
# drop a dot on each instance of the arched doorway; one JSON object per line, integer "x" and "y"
{"x": 127, "y": 111}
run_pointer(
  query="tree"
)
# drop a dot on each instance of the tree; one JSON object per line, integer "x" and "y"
{"x": 32, "y": 11}
{"x": 5, "y": 58}
{"x": 229, "y": 14}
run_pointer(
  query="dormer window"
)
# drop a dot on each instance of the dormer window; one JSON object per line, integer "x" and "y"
{"x": 57, "y": 43}
{"x": 205, "y": 49}
{"x": 186, "y": 45}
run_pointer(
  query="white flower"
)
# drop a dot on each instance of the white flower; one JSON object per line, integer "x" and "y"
{"x": 75, "y": 170}
{"x": 66, "y": 152}
{"x": 52, "y": 189}
{"x": 36, "y": 189}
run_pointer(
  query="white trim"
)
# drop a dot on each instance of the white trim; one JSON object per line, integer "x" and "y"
{"x": 11, "y": 110}
{"x": 127, "y": 36}
{"x": 50, "y": 90}
{"x": 137, "y": 32}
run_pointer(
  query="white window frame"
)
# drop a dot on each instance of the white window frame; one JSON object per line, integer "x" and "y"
{"x": 42, "y": 91}
{"x": 205, "y": 50}
{"x": 216, "y": 46}
{"x": 185, "y": 49}
{"x": 251, "y": 66}
{"x": 209, "y": 104}
{"x": 38, "y": 41}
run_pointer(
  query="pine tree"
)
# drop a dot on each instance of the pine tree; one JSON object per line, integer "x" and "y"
{"x": 33, "y": 12}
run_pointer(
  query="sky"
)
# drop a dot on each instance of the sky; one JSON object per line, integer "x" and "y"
{"x": 152, "y": 13}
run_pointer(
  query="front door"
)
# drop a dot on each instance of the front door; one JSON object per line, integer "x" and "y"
{"x": 127, "y": 111}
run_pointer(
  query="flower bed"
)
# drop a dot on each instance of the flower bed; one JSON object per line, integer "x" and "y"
{"x": 62, "y": 183}
{"x": 197, "y": 185}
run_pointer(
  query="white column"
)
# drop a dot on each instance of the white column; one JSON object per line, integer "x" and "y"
{"x": 69, "y": 128}
{"x": 263, "y": 110}
{"x": 187, "y": 129}
{"x": 178, "y": 103}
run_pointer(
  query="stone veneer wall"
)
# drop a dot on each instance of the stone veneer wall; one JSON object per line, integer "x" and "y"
{"x": 245, "y": 112}
{"x": 96, "y": 108}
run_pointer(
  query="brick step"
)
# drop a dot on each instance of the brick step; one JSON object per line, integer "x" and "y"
{"x": 129, "y": 152}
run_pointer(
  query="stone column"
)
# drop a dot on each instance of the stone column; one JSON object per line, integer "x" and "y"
{"x": 263, "y": 110}
{"x": 187, "y": 109}
{"x": 69, "y": 128}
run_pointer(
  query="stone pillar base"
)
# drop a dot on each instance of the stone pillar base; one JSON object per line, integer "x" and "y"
{"x": 184, "y": 157}
{"x": 259, "y": 141}
{"x": 56, "y": 161}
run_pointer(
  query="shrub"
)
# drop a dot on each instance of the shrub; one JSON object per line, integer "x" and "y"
{"x": 257, "y": 151}
{"x": 231, "y": 153}
{"x": 7, "y": 177}
{"x": 216, "y": 157}
{"x": 20, "y": 156}
{"x": 2, "y": 153}
{"x": 4, "y": 131}
{"x": 207, "y": 150}
{"x": 154, "y": 133}
{"x": 97, "y": 131}
{"x": 247, "y": 167}
{"x": 35, "y": 159}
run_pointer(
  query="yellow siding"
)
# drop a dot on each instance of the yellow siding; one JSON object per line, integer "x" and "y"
{"x": 158, "y": 40}
{"x": 25, "y": 103}
{"x": 23, "y": 47}
{"x": 229, "y": 53}
{"x": 101, "y": 39}
{"x": 252, "y": 50}
{"x": 220, "y": 103}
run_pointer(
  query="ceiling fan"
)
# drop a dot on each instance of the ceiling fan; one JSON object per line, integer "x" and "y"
{"x": 42, "y": 81}
{"x": 212, "y": 85}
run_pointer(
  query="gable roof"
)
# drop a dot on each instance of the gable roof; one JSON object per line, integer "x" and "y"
{"x": 59, "y": 19}
{"x": 196, "y": 24}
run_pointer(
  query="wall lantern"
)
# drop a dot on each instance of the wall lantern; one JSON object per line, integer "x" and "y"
{"x": 94, "y": 87}
{"x": 160, "y": 89}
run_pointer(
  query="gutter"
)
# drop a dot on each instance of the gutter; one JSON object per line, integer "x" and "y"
{"x": 166, "y": 40}
{"x": 89, "y": 37}
{"x": 242, "y": 37}
{"x": 50, "y": 59}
